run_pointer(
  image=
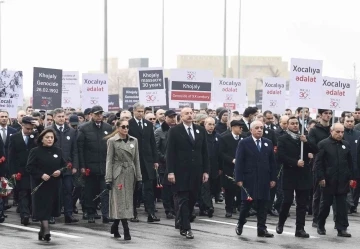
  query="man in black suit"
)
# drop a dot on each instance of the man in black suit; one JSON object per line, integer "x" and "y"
{"x": 5, "y": 133}
{"x": 248, "y": 116}
{"x": 228, "y": 146}
{"x": 19, "y": 147}
{"x": 144, "y": 132}
{"x": 255, "y": 172}
{"x": 269, "y": 119}
{"x": 187, "y": 165}
{"x": 297, "y": 175}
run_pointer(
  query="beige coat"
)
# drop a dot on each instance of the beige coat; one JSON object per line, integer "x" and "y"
{"x": 123, "y": 170}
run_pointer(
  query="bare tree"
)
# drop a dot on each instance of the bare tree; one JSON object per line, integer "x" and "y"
{"x": 120, "y": 79}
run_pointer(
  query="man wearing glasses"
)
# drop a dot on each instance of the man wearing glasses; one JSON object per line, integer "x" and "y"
{"x": 255, "y": 173}
{"x": 151, "y": 117}
{"x": 320, "y": 131}
{"x": 334, "y": 174}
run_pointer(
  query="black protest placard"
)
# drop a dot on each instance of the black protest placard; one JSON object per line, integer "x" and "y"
{"x": 151, "y": 79}
{"x": 165, "y": 107}
{"x": 258, "y": 98}
{"x": 114, "y": 104}
{"x": 47, "y": 88}
{"x": 130, "y": 97}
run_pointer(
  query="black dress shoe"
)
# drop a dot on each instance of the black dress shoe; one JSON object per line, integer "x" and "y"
{"x": 321, "y": 231}
{"x": 91, "y": 219}
{"x": 127, "y": 235}
{"x": 301, "y": 234}
{"x": 279, "y": 229}
{"x": 135, "y": 219}
{"x": 25, "y": 221}
{"x": 192, "y": 217}
{"x": 203, "y": 213}
{"x": 106, "y": 220}
{"x": 115, "y": 230}
{"x": 97, "y": 216}
{"x": 343, "y": 233}
{"x": 228, "y": 215}
{"x": 40, "y": 236}
{"x": 152, "y": 218}
{"x": 75, "y": 210}
{"x": 47, "y": 237}
{"x": 210, "y": 212}
{"x": 182, "y": 232}
{"x": 2, "y": 219}
{"x": 70, "y": 219}
{"x": 264, "y": 234}
{"x": 52, "y": 220}
{"x": 189, "y": 234}
{"x": 170, "y": 216}
{"x": 219, "y": 198}
{"x": 239, "y": 229}
{"x": 273, "y": 212}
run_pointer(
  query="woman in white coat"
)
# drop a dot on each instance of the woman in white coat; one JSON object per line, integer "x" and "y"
{"x": 122, "y": 174}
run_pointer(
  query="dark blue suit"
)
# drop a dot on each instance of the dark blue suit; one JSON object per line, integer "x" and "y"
{"x": 256, "y": 169}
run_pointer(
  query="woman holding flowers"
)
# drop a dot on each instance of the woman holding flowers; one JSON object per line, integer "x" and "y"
{"x": 45, "y": 165}
{"x": 122, "y": 173}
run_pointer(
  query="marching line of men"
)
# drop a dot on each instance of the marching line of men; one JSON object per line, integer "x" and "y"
{"x": 194, "y": 156}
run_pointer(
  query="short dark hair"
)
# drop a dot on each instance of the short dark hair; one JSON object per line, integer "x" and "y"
{"x": 267, "y": 112}
{"x": 311, "y": 122}
{"x": 357, "y": 109}
{"x": 343, "y": 114}
{"x": 301, "y": 108}
{"x": 236, "y": 112}
{"x": 250, "y": 111}
{"x": 36, "y": 114}
{"x": 208, "y": 111}
{"x": 30, "y": 106}
{"x": 287, "y": 109}
{"x": 291, "y": 117}
{"x": 43, "y": 133}
{"x": 147, "y": 109}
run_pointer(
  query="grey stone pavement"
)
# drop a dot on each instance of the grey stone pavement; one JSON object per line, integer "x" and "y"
{"x": 216, "y": 232}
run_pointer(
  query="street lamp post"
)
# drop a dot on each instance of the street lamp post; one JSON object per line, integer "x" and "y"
{"x": 105, "y": 38}
{"x": 224, "y": 73}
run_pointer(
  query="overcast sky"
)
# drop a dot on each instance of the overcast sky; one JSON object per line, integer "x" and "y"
{"x": 68, "y": 34}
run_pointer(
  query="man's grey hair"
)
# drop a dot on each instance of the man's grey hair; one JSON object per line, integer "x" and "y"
{"x": 255, "y": 123}
{"x": 335, "y": 124}
{"x": 200, "y": 116}
{"x": 57, "y": 111}
{"x": 138, "y": 105}
{"x": 5, "y": 112}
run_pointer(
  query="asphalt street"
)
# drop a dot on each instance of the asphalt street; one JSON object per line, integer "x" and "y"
{"x": 216, "y": 232}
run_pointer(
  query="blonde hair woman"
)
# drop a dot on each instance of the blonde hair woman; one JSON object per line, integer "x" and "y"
{"x": 122, "y": 174}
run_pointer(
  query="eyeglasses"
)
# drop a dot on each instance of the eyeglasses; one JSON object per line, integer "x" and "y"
{"x": 124, "y": 127}
{"x": 152, "y": 119}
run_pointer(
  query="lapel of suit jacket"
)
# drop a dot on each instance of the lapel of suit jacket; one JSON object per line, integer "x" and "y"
{"x": 196, "y": 133}
{"x": 138, "y": 127}
{"x": 252, "y": 144}
{"x": 184, "y": 133}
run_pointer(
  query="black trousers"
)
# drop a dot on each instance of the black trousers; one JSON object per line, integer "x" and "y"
{"x": 272, "y": 198}
{"x": 316, "y": 200}
{"x": 230, "y": 194}
{"x": 186, "y": 201}
{"x": 279, "y": 193}
{"x": 341, "y": 222}
{"x": 205, "y": 200}
{"x": 24, "y": 202}
{"x": 261, "y": 213}
{"x": 167, "y": 197}
{"x": 94, "y": 185}
{"x": 148, "y": 196}
{"x": 215, "y": 186}
{"x": 301, "y": 201}
{"x": 67, "y": 188}
{"x": 78, "y": 194}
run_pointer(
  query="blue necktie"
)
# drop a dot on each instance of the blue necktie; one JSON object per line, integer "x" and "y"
{"x": 258, "y": 145}
{"x": 26, "y": 140}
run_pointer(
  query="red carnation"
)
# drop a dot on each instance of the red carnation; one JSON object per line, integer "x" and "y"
{"x": 353, "y": 185}
{"x": 18, "y": 177}
{"x": 3, "y": 184}
{"x": 87, "y": 172}
{"x": 2, "y": 159}
{"x": 249, "y": 199}
{"x": 275, "y": 149}
{"x": 69, "y": 165}
{"x": 120, "y": 186}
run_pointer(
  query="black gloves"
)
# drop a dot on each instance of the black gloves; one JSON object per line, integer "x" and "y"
{"x": 138, "y": 185}
{"x": 109, "y": 185}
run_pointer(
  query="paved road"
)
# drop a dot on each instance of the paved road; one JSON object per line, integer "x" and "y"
{"x": 216, "y": 232}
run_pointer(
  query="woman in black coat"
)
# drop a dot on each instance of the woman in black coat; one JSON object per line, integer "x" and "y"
{"x": 44, "y": 165}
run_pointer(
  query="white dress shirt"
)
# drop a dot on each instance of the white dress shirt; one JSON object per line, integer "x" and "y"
{"x": 137, "y": 122}
{"x": 58, "y": 127}
{"x": 1, "y": 131}
{"x": 24, "y": 136}
{"x": 191, "y": 130}
{"x": 235, "y": 136}
{"x": 256, "y": 142}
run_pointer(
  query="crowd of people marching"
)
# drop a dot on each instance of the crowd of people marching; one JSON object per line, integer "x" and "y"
{"x": 256, "y": 162}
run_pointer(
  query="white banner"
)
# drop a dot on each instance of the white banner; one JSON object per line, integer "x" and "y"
{"x": 230, "y": 93}
{"x": 151, "y": 86}
{"x": 70, "y": 90}
{"x": 338, "y": 94}
{"x": 190, "y": 86}
{"x": 274, "y": 95}
{"x": 94, "y": 91}
{"x": 305, "y": 82}
{"x": 11, "y": 91}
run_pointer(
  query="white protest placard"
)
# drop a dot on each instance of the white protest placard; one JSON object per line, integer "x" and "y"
{"x": 305, "y": 82}
{"x": 338, "y": 94}
{"x": 190, "y": 85}
{"x": 274, "y": 94}
{"x": 151, "y": 86}
{"x": 231, "y": 93}
{"x": 94, "y": 91}
{"x": 11, "y": 93}
{"x": 70, "y": 90}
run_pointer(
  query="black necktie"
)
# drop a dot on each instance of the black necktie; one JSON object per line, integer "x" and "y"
{"x": 61, "y": 128}
{"x": 190, "y": 135}
{"x": 140, "y": 126}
